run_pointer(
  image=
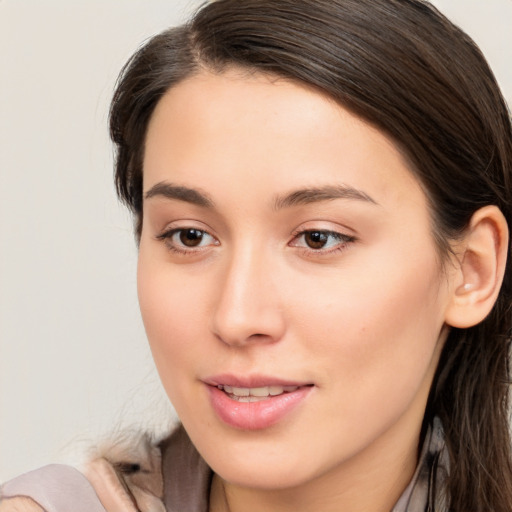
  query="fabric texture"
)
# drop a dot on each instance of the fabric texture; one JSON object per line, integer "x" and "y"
{"x": 56, "y": 488}
{"x": 426, "y": 489}
{"x": 187, "y": 476}
{"x": 128, "y": 475}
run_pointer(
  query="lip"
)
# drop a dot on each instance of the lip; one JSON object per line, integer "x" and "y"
{"x": 251, "y": 381}
{"x": 254, "y": 415}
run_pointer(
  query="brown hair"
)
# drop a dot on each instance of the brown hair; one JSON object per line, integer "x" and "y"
{"x": 404, "y": 67}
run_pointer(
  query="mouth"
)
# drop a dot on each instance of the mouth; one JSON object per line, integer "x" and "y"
{"x": 258, "y": 394}
{"x": 255, "y": 403}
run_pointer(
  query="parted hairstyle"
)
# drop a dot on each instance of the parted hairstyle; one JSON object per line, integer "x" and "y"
{"x": 403, "y": 67}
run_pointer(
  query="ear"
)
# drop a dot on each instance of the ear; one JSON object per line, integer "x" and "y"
{"x": 481, "y": 267}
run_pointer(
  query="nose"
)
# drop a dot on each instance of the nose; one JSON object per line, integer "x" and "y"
{"x": 248, "y": 309}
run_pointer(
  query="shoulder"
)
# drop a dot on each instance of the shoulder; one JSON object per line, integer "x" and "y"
{"x": 52, "y": 488}
{"x": 121, "y": 474}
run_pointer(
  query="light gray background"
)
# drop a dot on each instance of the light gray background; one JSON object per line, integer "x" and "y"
{"x": 73, "y": 357}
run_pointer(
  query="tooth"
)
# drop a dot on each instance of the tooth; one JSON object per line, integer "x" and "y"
{"x": 241, "y": 391}
{"x": 259, "y": 391}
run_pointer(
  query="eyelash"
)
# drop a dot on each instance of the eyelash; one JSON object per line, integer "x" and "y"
{"x": 167, "y": 238}
{"x": 342, "y": 241}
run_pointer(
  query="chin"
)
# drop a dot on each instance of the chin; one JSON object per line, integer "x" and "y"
{"x": 264, "y": 476}
{"x": 274, "y": 459}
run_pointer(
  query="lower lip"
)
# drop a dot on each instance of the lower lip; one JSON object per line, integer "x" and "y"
{"x": 255, "y": 415}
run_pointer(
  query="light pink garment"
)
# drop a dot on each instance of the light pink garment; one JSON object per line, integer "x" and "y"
{"x": 56, "y": 488}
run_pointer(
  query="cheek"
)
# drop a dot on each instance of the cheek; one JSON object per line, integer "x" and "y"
{"x": 377, "y": 333}
{"x": 170, "y": 311}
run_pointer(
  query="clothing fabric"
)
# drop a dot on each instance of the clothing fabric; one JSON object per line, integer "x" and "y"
{"x": 54, "y": 488}
{"x": 129, "y": 476}
{"x": 426, "y": 491}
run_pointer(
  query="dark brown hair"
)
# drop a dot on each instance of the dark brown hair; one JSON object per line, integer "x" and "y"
{"x": 405, "y": 68}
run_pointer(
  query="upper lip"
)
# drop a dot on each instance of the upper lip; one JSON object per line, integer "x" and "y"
{"x": 251, "y": 381}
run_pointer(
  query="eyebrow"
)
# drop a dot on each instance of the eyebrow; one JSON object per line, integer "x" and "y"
{"x": 317, "y": 194}
{"x": 189, "y": 195}
{"x": 296, "y": 198}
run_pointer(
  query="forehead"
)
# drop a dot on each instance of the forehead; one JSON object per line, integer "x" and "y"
{"x": 268, "y": 133}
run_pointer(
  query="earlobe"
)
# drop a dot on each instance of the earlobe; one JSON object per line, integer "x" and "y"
{"x": 481, "y": 268}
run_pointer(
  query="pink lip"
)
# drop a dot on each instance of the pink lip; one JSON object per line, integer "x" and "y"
{"x": 254, "y": 415}
{"x": 250, "y": 381}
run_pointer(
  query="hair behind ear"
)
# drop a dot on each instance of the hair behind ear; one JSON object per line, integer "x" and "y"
{"x": 470, "y": 392}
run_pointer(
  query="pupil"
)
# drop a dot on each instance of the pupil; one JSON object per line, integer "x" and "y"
{"x": 191, "y": 237}
{"x": 316, "y": 239}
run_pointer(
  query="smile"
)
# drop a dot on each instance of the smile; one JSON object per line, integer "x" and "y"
{"x": 255, "y": 394}
{"x": 255, "y": 403}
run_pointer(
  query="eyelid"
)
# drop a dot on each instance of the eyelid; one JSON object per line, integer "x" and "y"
{"x": 173, "y": 231}
{"x": 167, "y": 234}
{"x": 344, "y": 240}
{"x": 183, "y": 224}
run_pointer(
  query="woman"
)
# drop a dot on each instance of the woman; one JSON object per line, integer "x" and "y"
{"x": 321, "y": 193}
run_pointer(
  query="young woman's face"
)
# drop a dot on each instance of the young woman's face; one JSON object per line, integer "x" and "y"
{"x": 288, "y": 280}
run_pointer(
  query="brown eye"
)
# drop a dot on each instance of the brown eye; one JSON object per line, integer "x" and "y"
{"x": 322, "y": 242}
{"x": 191, "y": 237}
{"x": 316, "y": 239}
{"x": 187, "y": 240}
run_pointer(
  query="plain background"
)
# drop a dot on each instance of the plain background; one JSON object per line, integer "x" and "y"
{"x": 74, "y": 362}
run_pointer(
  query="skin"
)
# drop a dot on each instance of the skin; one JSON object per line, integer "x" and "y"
{"x": 362, "y": 319}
